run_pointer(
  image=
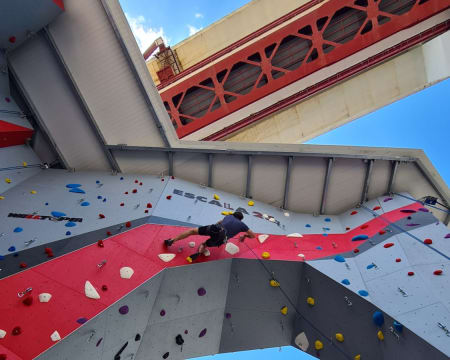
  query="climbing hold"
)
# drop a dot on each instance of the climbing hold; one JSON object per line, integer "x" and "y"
{"x": 135, "y": 181}
{"x": 146, "y": 211}
{"x": 262, "y": 238}
{"x": 345, "y": 282}
{"x": 365, "y": 226}
{"x": 274, "y": 283}
{"x": 28, "y": 301}
{"x": 8, "y": 181}
{"x": 231, "y": 248}
{"x": 108, "y": 233}
{"x": 356, "y": 251}
{"x": 412, "y": 224}
{"x": 295, "y": 235}
{"x": 162, "y": 312}
{"x": 410, "y": 273}
{"x": 166, "y": 355}
{"x": 318, "y": 345}
{"x": 370, "y": 266}
{"x": 327, "y": 219}
{"x": 2, "y": 333}
{"x": 166, "y": 257}
{"x": 388, "y": 245}
{"x": 265, "y": 216}
{"x": 251, "y": 203}
{"x": 128, "y": 224}
{"x": 99, "y": 197}
{"x": 202, "y": 333}
{"x": 302, "y": 341}
{"x": 363, "y": 293}
{"x": 85, "y": 203}
{"x": 126, "y": 193}
{"x": 447, "y": 236}
{"x": 122, "y": 204}
{"x": 104, "y": 287}
{"x": 137, "y": 337}
{"x": 55, "y": 336}
{"x": 265, "y": 255}
{"x": 191, "y": 244}
{"x": 284, "y": 310}
{"x": 24, "y": 163}
{"x": 18, "y": 229}
{"x": 354, "y": 212}
{"x": 428, "y": 241}
{"x": 134, "y": 191}
{"x": 168, "y": 197}
{"x": 70, "y": 224}
{"x": 140, "y": 184}
{"x": 58, "y": 214}
{"x": 206, "y": 252}
{"x": 381, "y": 232}
{"x": 387, "y": 199}
{"x": 17, "y": 330}
{"x": 123, "y": 310}
{"x": 99, "y": 342}
{"x": 44, "y": 297}
{"x": 82, "y": 320}
{"x": 224, "y": 213}
{"x": 126, "y": 272}
{"x": 378, "y": 318}
{"x": 398, "y": 326}
{"x": 101, "y": 216}
{"x": 310, "y": 301}
{"x": 398, "y": 260}
{"x": 149, "y": 206}
{"x": 100, "y": 243}
{"x": 73, "y": 186}
{"x": 347, "y": 228}
{"x": 22, "y": 265}
{"x": 339, "y": 337}
{"x": 437, "y": 272}
{"x": 216, "y": 197}
{"x": 357, "y": 357}
{"x": 408, "y": 211}
{"x": 33, "y": 192}
{"x": 90, "y": 291}
{"x": 227, "y": 316}
{"x": 201, "y": 292}
{"x": 179, "y": 340}
{"x": 380, "y": 335}
{"x": 360, "y": 237}
{"x": 308, "y": 225}
{"x": 339, "y": 258}
{"x": 2, "y": 198}
{"x": 121, "y": 178}
{"x": 319, "y": 248}
{"x": 302, "y": 256}
{"x": 77, "y": 191}
{"x": 375, "y": 208}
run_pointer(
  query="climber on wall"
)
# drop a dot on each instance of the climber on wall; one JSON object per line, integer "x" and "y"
{"x": 218, "y": 233}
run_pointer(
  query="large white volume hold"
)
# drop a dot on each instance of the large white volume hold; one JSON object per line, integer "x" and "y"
{"x": 231, "y": 249}
{"x": 2, "y": 333}
{"x": 90, "y": 291}
{"x": 166, "y": 257}
{"x": 262, "y": 238}
{"x": 45, "y": 297}
{"x": 295, "y": 235}
{"x": 126, "y": 272}
{"x": 55, "y": 336}
{"x": 302, "y": 341}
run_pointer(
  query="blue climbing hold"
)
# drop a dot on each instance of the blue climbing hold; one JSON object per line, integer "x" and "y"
{"x": 121, "y": 178}
{"x": 378, "y": 318}
{"x": 370, "y": 266}
{"x": 398, "y": 326}
{"x": 339, "y": 258}
{"x": 71, "y": 224}
{"x": 97, "y": 181}
{"x": 363, "y": 293}
{"x": 58, "y": 214}
{"x": 346, "y": 282}
{"x": 104, "y": 200}
{"x": 2, "y": 257}
{"x": 85, "y": 203}
{"x": 77, "y": 191}
{"x": 73, "y": 186}
{"x": 12, "y": 248}
{"x": 325, "y": 234}
{"x": 82, "y": 320}
{"x": 307, "y": 225}
{"x": 319, "y": 248}
{"x": 326, "y": 229}
{"x": 360, "y": 237}
{"x": 327, "y": 219}
{"x": 46, "y": 204}
{"x": 18, "y": 229}
{"x": 99, "y": 197}
{"x": 68, "y": 233}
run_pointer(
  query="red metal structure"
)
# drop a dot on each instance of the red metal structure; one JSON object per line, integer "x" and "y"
{"x": 331, "y": 33}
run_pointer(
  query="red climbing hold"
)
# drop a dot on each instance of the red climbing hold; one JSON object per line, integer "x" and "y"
{"x": 162, "y": 179}
{"x": 126, "y": 192}
{"x": 354, "y": 212}
{"x": 437, "y": 272}
{"x": 398, "y": 260}
{"x": 168, "y": 197}
{"x": 108, "y": 233}
{"x": 411, "y": 273}
{"x": 135, "y": 181}
{"x": 50, "y": 254}
{"x": 376, "y": 208}
{"x": 146, "y": 211}
{"x": 428, "y": 241}
{"x": 381, "y": 232}
{"x": 12, "y": 39}
{"x": 100, "y": 243}
{"x": 134, "y": 191}
{"x": 356, "y": 251}
{"x": 128, "y": 224}
{"x": 347, "y": 228}
{"x": 104, "y": 287}
{"x": 122, "y": 204}
{"x": 365, "y": 226}
{"x": 140, "y": 184}
{"x": 28, "y": 301}
{"x": 48, "y": 250}
{"x": 101, "y": 216}
{"x": 388, "y": 245}
{"x": 172, "y": 177}
{"x": 17, "y": 330}
{"x": 3, "y": 357}
{"x": 149, "y": 205}
{"x": 23, "y": 265}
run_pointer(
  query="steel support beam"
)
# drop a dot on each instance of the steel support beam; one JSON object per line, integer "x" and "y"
{"x": 287, "y": 181}
{"x": 210, "y": 169}
{"x": 249, "y": 177}
{"x": 81, "y": 100}
{"x": 392, "y": 177}
{"x": 366, "y": 182}
{"x": 170, "y": 159}
{"x": 325, "y": 185}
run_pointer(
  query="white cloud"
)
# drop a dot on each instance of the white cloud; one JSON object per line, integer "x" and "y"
{"x": 199, "y": 16}
{"x": 144, "y": 34}
{"x": 193, "y": 29}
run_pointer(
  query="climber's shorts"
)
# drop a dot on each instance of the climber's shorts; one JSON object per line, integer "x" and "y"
{"x": 216, "y": 234}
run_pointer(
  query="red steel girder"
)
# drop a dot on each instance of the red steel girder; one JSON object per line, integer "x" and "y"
{"x": 333, "y": 32}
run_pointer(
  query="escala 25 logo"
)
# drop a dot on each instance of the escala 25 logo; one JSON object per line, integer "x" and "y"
{"x": 225, "y": 205}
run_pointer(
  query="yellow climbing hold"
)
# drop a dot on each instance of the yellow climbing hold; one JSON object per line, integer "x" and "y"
{"x": 24, "y": 163}
{"x": 8, "y": 181}
{"x": 284, "y": 310}
{"x": 318, "y": 345}
{"x": 224, "y": 213}
{"x": 33, "y": 192}
{"x": 380, "y": 335}
{"x": 216, "y": 197}
{"x": 2, "y": 198}
{"x": 340, "y": 337}
{"x": 251, "y": 203}
{"x": 310, "y": 301}
{"x": 189, "y": 259}
{"x": 357, "y": 357}
{"x": 265, "y": 255}
{"x": 274, "y": 283}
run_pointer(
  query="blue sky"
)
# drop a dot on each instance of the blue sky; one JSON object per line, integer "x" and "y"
{"x": 418, "y": 121}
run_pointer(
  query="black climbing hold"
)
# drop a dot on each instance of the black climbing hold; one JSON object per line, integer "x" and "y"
{"x": 166, "y": 355}
{"x": 117, "y": 356}
{"x": 179, "y": 340}
{"x": 137, "y": 337}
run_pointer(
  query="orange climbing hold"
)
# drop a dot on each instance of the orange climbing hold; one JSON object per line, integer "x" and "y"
{"x": 428, "y": 241}
{"x": 354, "y": 212}
{"x": 388, "y": 245}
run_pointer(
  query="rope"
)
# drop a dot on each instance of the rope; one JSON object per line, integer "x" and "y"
{"x": 403, "y": 231}
{"x": 20, "y": 167}
{"x": 272, "y": 275}
{"x": 424, "y": 204}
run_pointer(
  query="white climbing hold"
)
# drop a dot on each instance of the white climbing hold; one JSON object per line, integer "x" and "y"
{"x": 286, "y": 214}
{"x": 262, "y": 238}
{"x": 231, "y": 249}
{"x": 192, "y": 244}
{"x": 126, "y": 272}
{"x": 265, "y": 216}
{"x": 45, "y": 297}
{"x": 302, "y": 341}
{"x": 295, "y": 235}
{"x": 90, "y": 291}
{"x": 301, "y": 256}
{"x": 2, "y": 333}
{"x": 206, "y": 252}
{"x": 55, "y": 336}
{"x": 272, "y": 219}
{"x": 166, "y": 257}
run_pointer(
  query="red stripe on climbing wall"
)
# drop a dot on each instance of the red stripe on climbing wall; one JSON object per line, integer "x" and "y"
{"x": 11, "y": 134}
{"x": 60, "y": 3}
{"x": 64, "y": 278}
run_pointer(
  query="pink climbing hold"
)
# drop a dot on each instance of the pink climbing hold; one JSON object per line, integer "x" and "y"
{"x": 388, "y": 245}
{"x": 162, "y": 312}
{"x": 162, "y": 179}
{"x": 354, "y": 212}
{"x": 411, "y": 273}
{"x": 437, "y": 272}
{"x": 428, "y": 241}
